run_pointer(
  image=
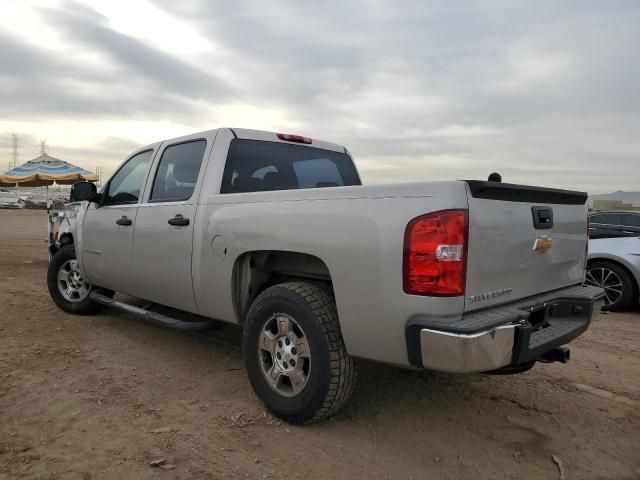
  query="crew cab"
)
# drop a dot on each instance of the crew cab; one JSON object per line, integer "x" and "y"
{"x": 275, "y": 233}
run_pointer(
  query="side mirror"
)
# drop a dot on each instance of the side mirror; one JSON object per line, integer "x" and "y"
{"x": 83, "y": 191}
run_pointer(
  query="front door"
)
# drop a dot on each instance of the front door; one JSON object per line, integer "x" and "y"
{"x": 107, "y": 243}
{"x": 163, "y": 238}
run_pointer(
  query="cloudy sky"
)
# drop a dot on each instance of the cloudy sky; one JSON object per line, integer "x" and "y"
{"x": 544, "y": 92}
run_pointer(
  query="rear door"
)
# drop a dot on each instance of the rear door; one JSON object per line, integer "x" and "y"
{"x": 523, "y": 241}
{"x": 163, "y": 238}
{"x": 108, "y": 228}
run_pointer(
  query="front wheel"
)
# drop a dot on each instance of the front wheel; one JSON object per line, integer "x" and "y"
{"x": 294, "y": 354}
{"x": 68, "y": 289}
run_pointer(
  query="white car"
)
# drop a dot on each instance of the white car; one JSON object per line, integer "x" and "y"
{"x": 614, "y": 265}
{"x": 9, "y": 200}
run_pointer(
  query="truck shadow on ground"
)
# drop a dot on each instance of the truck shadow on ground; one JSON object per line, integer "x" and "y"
{"x": 390, "y": 401}
{"x": 521, "y": 411}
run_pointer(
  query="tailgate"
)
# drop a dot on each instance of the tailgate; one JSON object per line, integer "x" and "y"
{"x": 523, "y": 241}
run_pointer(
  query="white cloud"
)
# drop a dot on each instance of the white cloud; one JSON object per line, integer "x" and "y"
{"x": 143, "y": 20}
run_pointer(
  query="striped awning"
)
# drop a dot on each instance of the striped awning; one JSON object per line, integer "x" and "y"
{"x": 45, "y": 170}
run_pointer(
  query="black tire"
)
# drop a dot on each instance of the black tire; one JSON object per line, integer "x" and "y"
{"x": 628, "y": 284}
{"x": 86, "y": 306}
{"x": 332, "y": 372}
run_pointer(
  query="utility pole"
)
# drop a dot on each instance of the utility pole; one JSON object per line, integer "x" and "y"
{"x": 15, "y": 154}
{"x": 99, "y": 174}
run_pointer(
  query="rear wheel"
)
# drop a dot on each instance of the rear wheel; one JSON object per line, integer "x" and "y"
{"x": 294, "y": 353}
{"x": 619, "y": 287}
{"x": 68, "y": 289}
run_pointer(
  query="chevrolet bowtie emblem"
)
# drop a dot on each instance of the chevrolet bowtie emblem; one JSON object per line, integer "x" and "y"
{"x": 542, "y": 243}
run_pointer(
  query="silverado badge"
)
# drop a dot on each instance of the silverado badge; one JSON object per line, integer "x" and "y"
{"x": 481, "y": 297}
{"x": 542, "y": 243}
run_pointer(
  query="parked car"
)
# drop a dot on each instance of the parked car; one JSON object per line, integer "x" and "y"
{"x": 614, "y": 265}
{"x": 614, "y": 224}
{"x": 274, "y": 232}
{"x": 9, "y": 200}
{"x": 36, "y": 201}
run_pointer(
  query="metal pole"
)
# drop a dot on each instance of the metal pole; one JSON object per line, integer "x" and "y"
{"x": 49, "y": 236}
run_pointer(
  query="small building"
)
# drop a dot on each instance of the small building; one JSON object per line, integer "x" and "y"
{"x": 599, "y": 205}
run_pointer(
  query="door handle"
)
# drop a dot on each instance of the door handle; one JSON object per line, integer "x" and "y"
{"x": 542, "y": 217}
{"x": 124, "y": 221}
{"x": 179, "y": 221}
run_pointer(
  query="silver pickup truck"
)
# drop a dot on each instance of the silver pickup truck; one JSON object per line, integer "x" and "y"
{"x": 275, "y": 233}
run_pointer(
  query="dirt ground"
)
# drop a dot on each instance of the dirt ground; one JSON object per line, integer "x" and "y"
{"x": 102, "y": 397}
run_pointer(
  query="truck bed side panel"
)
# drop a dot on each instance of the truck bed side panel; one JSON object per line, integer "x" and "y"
{"x": 357, "y": 232}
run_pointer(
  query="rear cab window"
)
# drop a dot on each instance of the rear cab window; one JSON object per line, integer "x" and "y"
{"x": 260, "y": 166}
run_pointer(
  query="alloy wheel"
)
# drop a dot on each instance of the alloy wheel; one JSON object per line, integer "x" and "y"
{"x": 70, "y": 282}
{"x": 608, "y": 280}
{"x": 284, "y": 355}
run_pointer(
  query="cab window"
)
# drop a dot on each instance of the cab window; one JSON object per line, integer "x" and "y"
{"x": 317, "y": 172}
{"x": 632, "y": 220}
{"x": 178, "y": 172}
{"x": 260, "y": 166}
{"x": 125, "y": 186}
{"x": 607, "y": 219}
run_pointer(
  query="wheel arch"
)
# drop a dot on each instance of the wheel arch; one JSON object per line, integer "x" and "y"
{"x": 254, "y": 271}
{"x": 622, "y": 264}
{"x": 64, "y": 240}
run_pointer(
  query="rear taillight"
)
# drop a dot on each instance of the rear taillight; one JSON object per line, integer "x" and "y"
{"x": 294, "y": 138}
{"x": 435, "y": 254}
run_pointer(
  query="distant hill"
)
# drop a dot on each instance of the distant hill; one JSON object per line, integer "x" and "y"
{"x": 627, "y": 201}
{"x": 627, "y": 197}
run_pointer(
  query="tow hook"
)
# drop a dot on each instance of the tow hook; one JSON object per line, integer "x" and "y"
{"x": 558, "y": 354}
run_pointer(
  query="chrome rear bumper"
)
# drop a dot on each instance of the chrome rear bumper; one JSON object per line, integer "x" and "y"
{"x": 461, "y": 353}
{"x": 511, "y": 335}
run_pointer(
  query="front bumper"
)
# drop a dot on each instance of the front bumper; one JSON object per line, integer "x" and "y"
{"x": 505, "y": 336}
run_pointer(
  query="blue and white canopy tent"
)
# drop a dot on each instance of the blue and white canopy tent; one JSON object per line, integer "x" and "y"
{"x": 44, "y": 171}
